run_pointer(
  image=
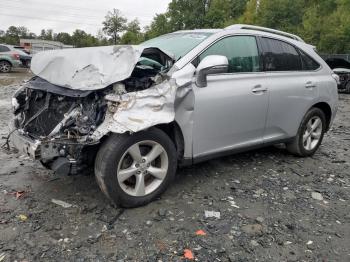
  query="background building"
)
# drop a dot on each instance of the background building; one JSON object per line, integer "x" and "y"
{"x": 37, "y": 45}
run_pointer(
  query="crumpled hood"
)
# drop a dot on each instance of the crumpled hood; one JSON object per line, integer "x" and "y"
{"x": 89, "y": 68}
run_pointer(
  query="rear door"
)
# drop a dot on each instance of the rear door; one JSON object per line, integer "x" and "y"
{"x": 292, "y": 85}
{"x": 230, "y": 113}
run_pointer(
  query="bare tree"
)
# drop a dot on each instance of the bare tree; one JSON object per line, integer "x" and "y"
{"x": 114, "y": 24}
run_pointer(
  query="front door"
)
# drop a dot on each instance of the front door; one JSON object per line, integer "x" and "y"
{"x": 230, "y": 113}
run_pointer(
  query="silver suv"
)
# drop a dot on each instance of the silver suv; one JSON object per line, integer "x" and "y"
{"x": 135, "y": 113}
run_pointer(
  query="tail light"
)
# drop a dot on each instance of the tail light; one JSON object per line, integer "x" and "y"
{"x": 15, "y": 56}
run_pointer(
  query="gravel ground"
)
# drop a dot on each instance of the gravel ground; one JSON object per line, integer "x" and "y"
{"x": 272, "y": 207}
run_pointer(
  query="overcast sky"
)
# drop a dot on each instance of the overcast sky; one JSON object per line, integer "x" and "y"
{"x": 68, "y": 15}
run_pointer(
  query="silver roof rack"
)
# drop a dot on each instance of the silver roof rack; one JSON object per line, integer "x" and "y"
{"x": 264, "y": 29}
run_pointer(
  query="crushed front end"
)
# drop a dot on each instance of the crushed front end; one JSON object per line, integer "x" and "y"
{"x": 62, "y": 122}
{"x": 54, "y": 124}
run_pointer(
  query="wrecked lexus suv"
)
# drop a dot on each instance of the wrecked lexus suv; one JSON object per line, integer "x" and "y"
{"x": 135, "y": 113}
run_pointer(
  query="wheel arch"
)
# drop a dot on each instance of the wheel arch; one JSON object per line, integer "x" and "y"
{"x": 174, "y": 132}
{"x": 327, "y": 110}
{"x": 6, "y": 60}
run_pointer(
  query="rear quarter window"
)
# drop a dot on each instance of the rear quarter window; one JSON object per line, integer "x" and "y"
{"x": 309, "y": 64}
{"x": 4, "y": 48}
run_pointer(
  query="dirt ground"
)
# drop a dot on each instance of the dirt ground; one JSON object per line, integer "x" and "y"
{"x": 273, "y": 207}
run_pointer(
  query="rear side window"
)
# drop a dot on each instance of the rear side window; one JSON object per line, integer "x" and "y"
{"x": 241, "y": 51}
{"x": 280, "y": 56}
{"x": 4, "y": 48}
{"x": 308, "y": 62}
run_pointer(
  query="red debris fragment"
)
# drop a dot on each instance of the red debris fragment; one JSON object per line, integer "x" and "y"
{"x": 200, "y": 233}
{"x": 17, "y": 194}
{"x": 188, "y": 254}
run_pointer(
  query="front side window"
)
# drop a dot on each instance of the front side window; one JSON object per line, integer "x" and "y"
{"x": 241, "y": 51}
{"x": 280, "y": 56}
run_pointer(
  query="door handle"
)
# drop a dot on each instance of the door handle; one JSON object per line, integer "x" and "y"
{"x": 310, "y": 85}
{"x": 259, "y": 89}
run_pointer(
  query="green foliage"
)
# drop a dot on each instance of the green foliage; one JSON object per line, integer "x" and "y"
{"x": 326, "y": 24}
{"x": 218, "y": 13}
{"x": 133, "y": 33}
{"x": 64, "y": 38}
{"x": 282, "y": 14}
{"x": 323, "y": 23}
{"x": 82, "y": 39}
{"x": 12, "y": 35}
{"x": 187, "y": 14}
{"x": 159, "y": 26}
{"x": 114, "y": 24}
{"x": 224, "y": 12}
{"x": 46, "y": 34}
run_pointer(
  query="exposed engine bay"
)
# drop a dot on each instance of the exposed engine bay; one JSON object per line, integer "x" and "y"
{"x": 60, "y": 123}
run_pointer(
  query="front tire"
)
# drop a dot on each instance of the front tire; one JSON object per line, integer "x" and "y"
{"x": 5, "y": 67}
{"x": 133, "y": 170}
{"x": 310, "y": 134}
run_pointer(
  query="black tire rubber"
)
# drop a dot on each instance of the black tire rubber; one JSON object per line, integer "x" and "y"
{"x": 8, "y": 63}
{"x": 347, "y": 88}
{"x": 296, "y": 147}
{"x": 107, "y": 159}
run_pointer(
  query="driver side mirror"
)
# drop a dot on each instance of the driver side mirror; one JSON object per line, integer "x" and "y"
{"x": 212, "y": 64}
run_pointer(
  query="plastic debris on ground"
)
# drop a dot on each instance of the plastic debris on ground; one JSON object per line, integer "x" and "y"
{"x": 212, "y": 214}
{"x": 17, "y": 194}
{"x": 232, "y": 202}
{"x": 61, "y": 203}
{"x": 22, "y": 217}
{"x": 317, "y": 196}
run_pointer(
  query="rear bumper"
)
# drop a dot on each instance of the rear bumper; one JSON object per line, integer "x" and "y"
{"x": 25, "y": 62}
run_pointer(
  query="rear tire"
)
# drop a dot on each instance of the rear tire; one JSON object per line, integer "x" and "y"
{"x": 5, "y": 67}
{"x": 310, "y": 134}
{"x": 133, "y": 170}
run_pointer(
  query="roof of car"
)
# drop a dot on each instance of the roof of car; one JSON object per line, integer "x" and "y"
{"x": 241, "y": 28}
{"x": 209, "y": 31}
{"x": 9, "y": 46}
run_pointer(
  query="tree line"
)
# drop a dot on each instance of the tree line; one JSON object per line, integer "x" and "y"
{"x": 323, "y": 23}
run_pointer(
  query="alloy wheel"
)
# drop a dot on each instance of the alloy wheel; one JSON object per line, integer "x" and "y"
{"x": 142, "y": 168}
{"x": 5, "y": 67}
{"x": 313, "y": 133}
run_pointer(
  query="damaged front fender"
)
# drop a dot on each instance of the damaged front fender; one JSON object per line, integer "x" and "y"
{"x": 137, "y": 111}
